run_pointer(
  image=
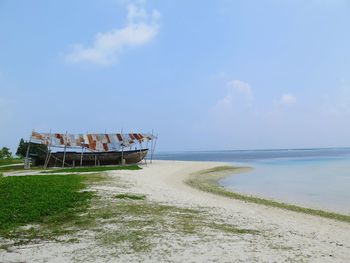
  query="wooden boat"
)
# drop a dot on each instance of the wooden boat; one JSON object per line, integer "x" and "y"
{"x": 95, "y": 149}
{"x": 92, "y": 158}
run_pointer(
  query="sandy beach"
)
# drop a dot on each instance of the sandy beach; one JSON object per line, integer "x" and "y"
{"x": 279, "y": 235}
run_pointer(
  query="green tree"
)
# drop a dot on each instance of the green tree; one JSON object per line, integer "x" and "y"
{"x": 21, "y": 150}
{"x": 36, "y": 149}
{"x": 5, "y": 153}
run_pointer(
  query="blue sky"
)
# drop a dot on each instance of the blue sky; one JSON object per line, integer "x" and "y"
{"x": 206, "y": 75}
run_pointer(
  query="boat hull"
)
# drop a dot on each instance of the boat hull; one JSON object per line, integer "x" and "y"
{"x": 93, "y": 158}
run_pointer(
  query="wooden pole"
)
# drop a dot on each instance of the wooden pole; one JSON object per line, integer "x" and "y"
{"x": 48, "y": 160}
{"x": 26, "y": 160}
{"x": 47, "y": 156}
{"x": 48, "y": 152}
{"x": 65, "y": 148}
{"x": 81, "y": 156}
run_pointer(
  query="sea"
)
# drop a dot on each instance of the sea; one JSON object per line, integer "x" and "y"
{"x": 315, "y": 178}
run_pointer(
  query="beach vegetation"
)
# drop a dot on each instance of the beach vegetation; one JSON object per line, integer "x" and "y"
{"x": 10, "y": 168}
{"x": 138, "y": 226}
{"x": 16, "y": 168}
{"x": 10, "y": 161}
{"x": 130, "y": 196}
{"x": 54, "y": 207}
{"x": 35, "y": 207}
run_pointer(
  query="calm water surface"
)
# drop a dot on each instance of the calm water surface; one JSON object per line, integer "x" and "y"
{"x": 317, "y": 178}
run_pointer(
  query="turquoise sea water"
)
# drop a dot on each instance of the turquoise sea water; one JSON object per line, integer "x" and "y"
{"x": 317, "y": 178}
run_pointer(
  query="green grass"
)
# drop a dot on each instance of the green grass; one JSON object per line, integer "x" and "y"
{"x": 55, "y": 207}
{"x": 11, "y": 161}
{"x": 11, "y": 168}
{"x": 41, "y": 199}
{"x": 130, "y": 196}
{"x": 219, "y": 169}
{"x": 17, "y": 168}
{"x": 93, "y": 169}
{"x": 139, "y": 225}
{"x": 8, "y": 165}
{"x": 207, "y": 181}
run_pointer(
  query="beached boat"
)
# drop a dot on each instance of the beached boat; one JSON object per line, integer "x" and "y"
{"x": 91, "y": 158}
{"x": 90, "y": 149}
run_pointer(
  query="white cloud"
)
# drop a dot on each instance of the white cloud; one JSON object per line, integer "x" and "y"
{"x": 241, "y": 87}
{"x": 140, "y": 29}
{"x": 239, "y": 95}
{"x": 287, "y": 99}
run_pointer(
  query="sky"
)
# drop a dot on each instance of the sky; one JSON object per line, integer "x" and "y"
{"x": 204, "y": 75}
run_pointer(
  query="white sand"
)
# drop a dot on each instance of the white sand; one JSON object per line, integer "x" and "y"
{"x": 285, "y": 236}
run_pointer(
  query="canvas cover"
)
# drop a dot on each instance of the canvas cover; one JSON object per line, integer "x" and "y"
{"x": 92, "y": 141}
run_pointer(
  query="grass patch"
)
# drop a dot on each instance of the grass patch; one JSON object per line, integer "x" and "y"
{"x": 207, "y": 181}
{"x": 10, "y": 161}
{"x": 15, "y": 168}
{"x": 233, "y": 230}
{"x": 48, "y": 200}
{"x": 219, "y": 169}
{"x": 93, "y": 169}
{"x": 130, "y": 196}
{"x": 46, "y": 207}
{"x": 139, "y": 226}
{"x": 11, "y": 168}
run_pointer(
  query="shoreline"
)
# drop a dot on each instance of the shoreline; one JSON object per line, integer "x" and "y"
{"x": 319, "y": 239}
{"x": 152, "y": 214}
{"x": 208, "y": 181}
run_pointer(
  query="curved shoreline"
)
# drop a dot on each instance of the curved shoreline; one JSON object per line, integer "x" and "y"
{"x": 175, "y": 222}
{"x": 208, "y": 181}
